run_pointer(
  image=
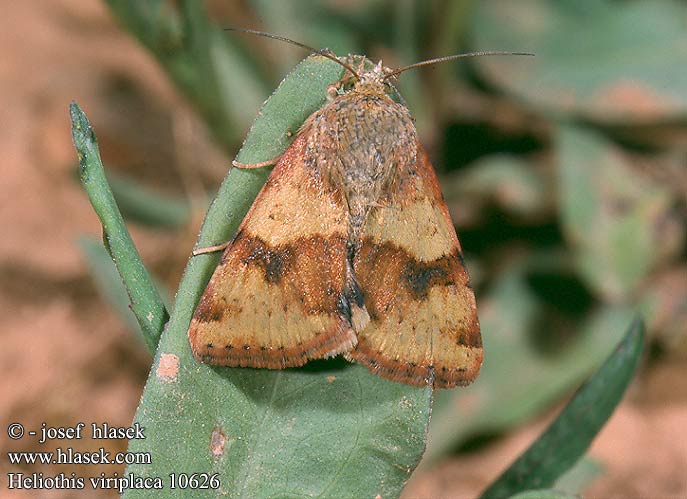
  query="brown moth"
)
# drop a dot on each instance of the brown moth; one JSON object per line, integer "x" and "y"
{"x": 348, "y": 249}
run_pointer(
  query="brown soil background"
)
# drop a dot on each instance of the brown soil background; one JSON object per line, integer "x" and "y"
{"x": 67, "y": 358}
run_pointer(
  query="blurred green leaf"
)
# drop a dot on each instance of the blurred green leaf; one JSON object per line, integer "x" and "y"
{"x": 312, "y": 23}
{"x": 610, "y": 214}
{"x": 664, "y": 303}
{"x": 404, "y": 16}
{"x": 579, "y": 476}
{"x": 518, "y": 379}
{"x": 569, "y": 436}
{"x": 147, "y": 206}
{"x": 508, "y": 181}
{"x": 146, "y": 303}
{"x": 330, "y": 429}
{"x": 544, "y": 494}
{"x": 613, "y": 62}
{"x": 210, "y": 68}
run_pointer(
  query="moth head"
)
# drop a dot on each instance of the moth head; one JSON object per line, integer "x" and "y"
{"x": 373, "y": 81}
{"x": 363, "y": 77}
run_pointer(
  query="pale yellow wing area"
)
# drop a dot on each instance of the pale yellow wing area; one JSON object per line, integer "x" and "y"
{"x": 277, "y": 298}
{"x": 423, "y": 325}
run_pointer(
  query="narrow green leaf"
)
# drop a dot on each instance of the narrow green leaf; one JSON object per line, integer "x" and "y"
{"x": 330, "y": 429}
{"x": 569, "y": 436}
{"x": 146, "y": 303}
{"x": 107, "y": 280}
{"x": 109, "y": 283}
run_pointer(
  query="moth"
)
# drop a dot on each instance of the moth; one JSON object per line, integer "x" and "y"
{"x": 348, "y": 249}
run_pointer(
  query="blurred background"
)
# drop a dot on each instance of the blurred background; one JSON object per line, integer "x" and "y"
{"x": 565, "y": 174}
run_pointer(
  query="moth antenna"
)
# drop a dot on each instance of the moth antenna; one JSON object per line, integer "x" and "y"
{"x": 398, "y": 94}
{"x": 323, "y": 52}
{"x": 450, "y": 58}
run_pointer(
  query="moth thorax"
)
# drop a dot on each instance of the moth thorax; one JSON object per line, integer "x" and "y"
{"x": 377, "y": 142}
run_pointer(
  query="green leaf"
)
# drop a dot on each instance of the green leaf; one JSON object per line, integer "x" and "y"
{"x": 146, "y": 303}
{"x": 569, "y": 436}
{"x": 606, "y": 209}
{"x": 330, "y": 429}
{"x": 612, "y": 62}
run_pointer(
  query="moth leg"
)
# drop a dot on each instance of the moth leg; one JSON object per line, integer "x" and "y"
{"x": 262, "y": 164}
{"x": 210, "y": 249}
{"x": 249, "y": 166}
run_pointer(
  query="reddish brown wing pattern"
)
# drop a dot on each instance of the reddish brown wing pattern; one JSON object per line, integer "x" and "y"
{"x": 274, "y": 299}
{"x": 423, "y": 321}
